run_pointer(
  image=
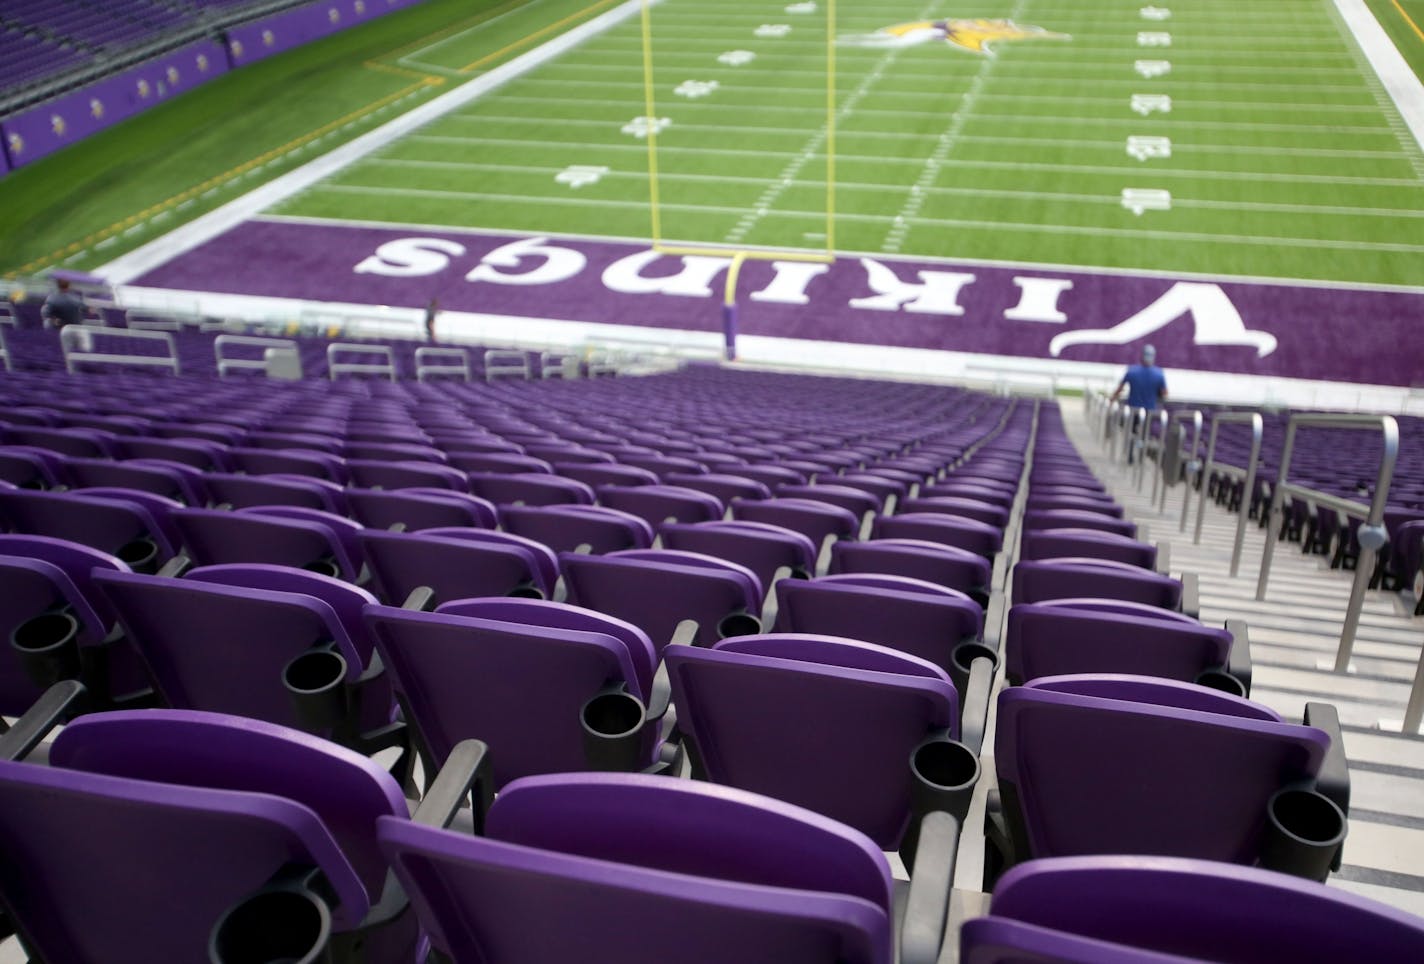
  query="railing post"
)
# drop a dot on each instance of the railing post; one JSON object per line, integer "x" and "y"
{"x": 1192, "y": 471}
{"x": 1257, "y": 432}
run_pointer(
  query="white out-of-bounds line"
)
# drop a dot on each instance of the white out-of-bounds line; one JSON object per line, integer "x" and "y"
{"x": 1394, "y": 72}
{"x": 144, "y": 259}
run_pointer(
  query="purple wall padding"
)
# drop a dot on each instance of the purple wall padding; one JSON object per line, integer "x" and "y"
{"x": 42, "y": 130}
{"x": 252, "y": 42}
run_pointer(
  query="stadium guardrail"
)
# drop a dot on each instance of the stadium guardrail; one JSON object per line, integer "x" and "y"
{"x": 1248, "y": 474}
{"x": 1372, "y": 535}
{"x": 78, "y": 343}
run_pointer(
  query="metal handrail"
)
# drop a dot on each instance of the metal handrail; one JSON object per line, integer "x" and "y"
{"x": 427, "y": 362}
{"x": 77, "y": 343}
{"x": 1192, "y": 466}
{"x": 1371, "y": 535}
{"x": 1414, "y": 712}
{"x": 334, "y": 367}
{"x": 558, "y": 364}
{"x": 1144, "y": 437}
{"x": 1257, "y": 432}
{"x": 501, "y": 362}
{"x": 5, "y": 350}
{"x": 247, "y": 364}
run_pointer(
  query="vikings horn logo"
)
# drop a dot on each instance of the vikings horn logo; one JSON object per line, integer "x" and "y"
{"x": 979, "y": 35}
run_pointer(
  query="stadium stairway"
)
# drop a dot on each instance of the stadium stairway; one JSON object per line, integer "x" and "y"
{"x": 1295, "y": 633}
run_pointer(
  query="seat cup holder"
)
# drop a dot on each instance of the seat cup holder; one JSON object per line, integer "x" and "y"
{"x": 325, "y": 566}
{"x": 526, "y": 590}
{"x": 961, "y": 663}
{"x": 1304, "y": 831}
{"x": 739, "y": 623}
{"x": 48, "y": 647}
{"x": 1221, "y": 681}
{"x": 140, "y": 554}
{"x": 612, "y": 724}
{"x": 273, "y": 926}
{"x": 944, "y": 773}
{"x": 316, "y": 684}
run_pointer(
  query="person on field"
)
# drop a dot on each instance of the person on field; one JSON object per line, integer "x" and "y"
{"x": 1146, "y": 388}
{"x": 62, "y": 307}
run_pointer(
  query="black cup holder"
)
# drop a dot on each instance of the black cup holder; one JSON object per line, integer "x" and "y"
{"x": 1304, "y": 831}
{"x": 612, "y": 725}
{"x": 526, "y": 590}
{"x": 48, "y": 647}
{"x": 1221, "y": 681}
{"x": 273, "y": 927}
{"x": 961, "y": 663}
{"x": 740, "y": 623}
{"x": 141, "y": 555}
{"x": 315, "y": 682}
{"x": 325, "y": 566}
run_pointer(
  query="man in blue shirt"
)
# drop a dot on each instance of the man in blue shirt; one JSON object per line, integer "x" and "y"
{"x": 1146, "y": 386}
{"x": 1145, "y": 383}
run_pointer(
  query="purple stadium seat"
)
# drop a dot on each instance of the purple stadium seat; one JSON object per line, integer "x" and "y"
{"x": 457, "y": 563}
{"x": 763, "y": 548}
{"x": 566, "y": 528}
{"x": 988, "y": 513}
{"x": 1076, "y": 519}
{"x": 529, "y": 488}
{"x": 947, "y": 530}
{"x": 1129, "y": 765}
{"x": 1088, "y": 578}
{"x": 1043, "y": 544}
{"x": 657, "y": 504}
{"x": 213, "y": 537}
{"x": 418, "y": 509}
{"x": 958, "y": 569}
{"x": 124, "y": 527}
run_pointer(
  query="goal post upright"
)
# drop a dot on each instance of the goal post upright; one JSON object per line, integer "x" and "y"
{"x": 738, "y": 255}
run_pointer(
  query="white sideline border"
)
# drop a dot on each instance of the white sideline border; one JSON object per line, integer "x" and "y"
{"x": 183, "y": 239}
{"x": 1403, "y": 87}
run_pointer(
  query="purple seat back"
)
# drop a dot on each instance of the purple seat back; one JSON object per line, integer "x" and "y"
{"x": 170, "y": 480}
{"x": 214, "y": 537}
{"x": 1052, "y": 501}
{"x": 907, "y": 615}
{"x": 977, "y": 491}
{"x": 194, "y": 749}
{"x": 639, "y": 864}
{"x": 657, "y": 589}
{"x": 968, "y": 508}
{"x": 948, "y": 530}
{"x": 745, "y": 704}
{"x": 1129, "y": 765}
{"x": 375, "y": 474}
{"x": 1046, "y": 639}
{"x": 243, "y": 491}
{"x": 759, "y": 546}
{"x": 454, "y": 568}
{"x": 1079, "y": 578}
{"x": 1129, "y": 909}
{"x": 65, "y": 834}
{"x": 526, "y": 488}
{"x": 959, "y": 569}
{"x": 1087, "y": 543}
{"x": 419, "y": 509}
{"x": 658, "y": 503}
{"x": 110, "y": 525}
{"x": 815, "y": 520}
{"x": 518, "y": 687}
{"x": 598, "y": 473}
{"x": 1076, "y": 519}
{"x": 856, "y": 501}
{"x": 304, "y": 462}
{"x": 223, "y": 648}
{"x": 563, "y": 528}
{"x": 499, "y": 462}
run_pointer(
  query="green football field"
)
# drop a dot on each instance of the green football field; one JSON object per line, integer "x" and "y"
{"x": 1230, "y": 137}
{"x": 1220, "y": 136}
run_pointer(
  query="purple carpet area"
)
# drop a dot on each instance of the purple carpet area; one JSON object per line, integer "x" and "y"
{"x": 1297, "y": 331}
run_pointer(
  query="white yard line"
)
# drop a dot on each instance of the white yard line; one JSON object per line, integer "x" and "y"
{"x": 917, "y": 187}
{"x": 203, "y": 229}
{"x": 1127, "y": 169}
{"x": 1219, "y": 239}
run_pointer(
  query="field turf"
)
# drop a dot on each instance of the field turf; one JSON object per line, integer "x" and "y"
{"x": 1265, "y": 146}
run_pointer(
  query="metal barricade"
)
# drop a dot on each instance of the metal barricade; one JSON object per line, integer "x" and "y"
{"x": 5, "y": 350}
{"x": 506, "y": 363}
{"x": 558, "y": 364}
{"x": 265, "y": 363}
{"x": 1143, "y": 442}
{"x": 1170, "y": 461}
{"x": 1371, "y": 535}
{"x": 1249, "y": 473}
{"x": 78, "y": 342}
{"x": 431, "y": 361}
{"x": 335, "y": 368}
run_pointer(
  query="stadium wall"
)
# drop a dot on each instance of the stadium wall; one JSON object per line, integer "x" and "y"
{"x": 40, "y": 131}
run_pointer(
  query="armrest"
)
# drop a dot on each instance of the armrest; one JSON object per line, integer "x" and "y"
{"x": 421, "y": 600}
{"x": 685, "y": 633}
{"x": 175, "y": 567}
{"x": 466, "y": 773}
{"x": 1191, "y": 595}
{"x": 927, "y": 908}
{"x": 660, "y": 695}
{"x": 1164, "y": 558}
{"x": 54, "y": 706}
{"x": 994, "y": 619}
{"x": 1333, "y": 780}
{"x": 1239, "y": 664}
{"x": 974, "y": 712}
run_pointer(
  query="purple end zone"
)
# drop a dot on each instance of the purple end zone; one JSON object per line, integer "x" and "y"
{"x": 1271, "y": 329}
